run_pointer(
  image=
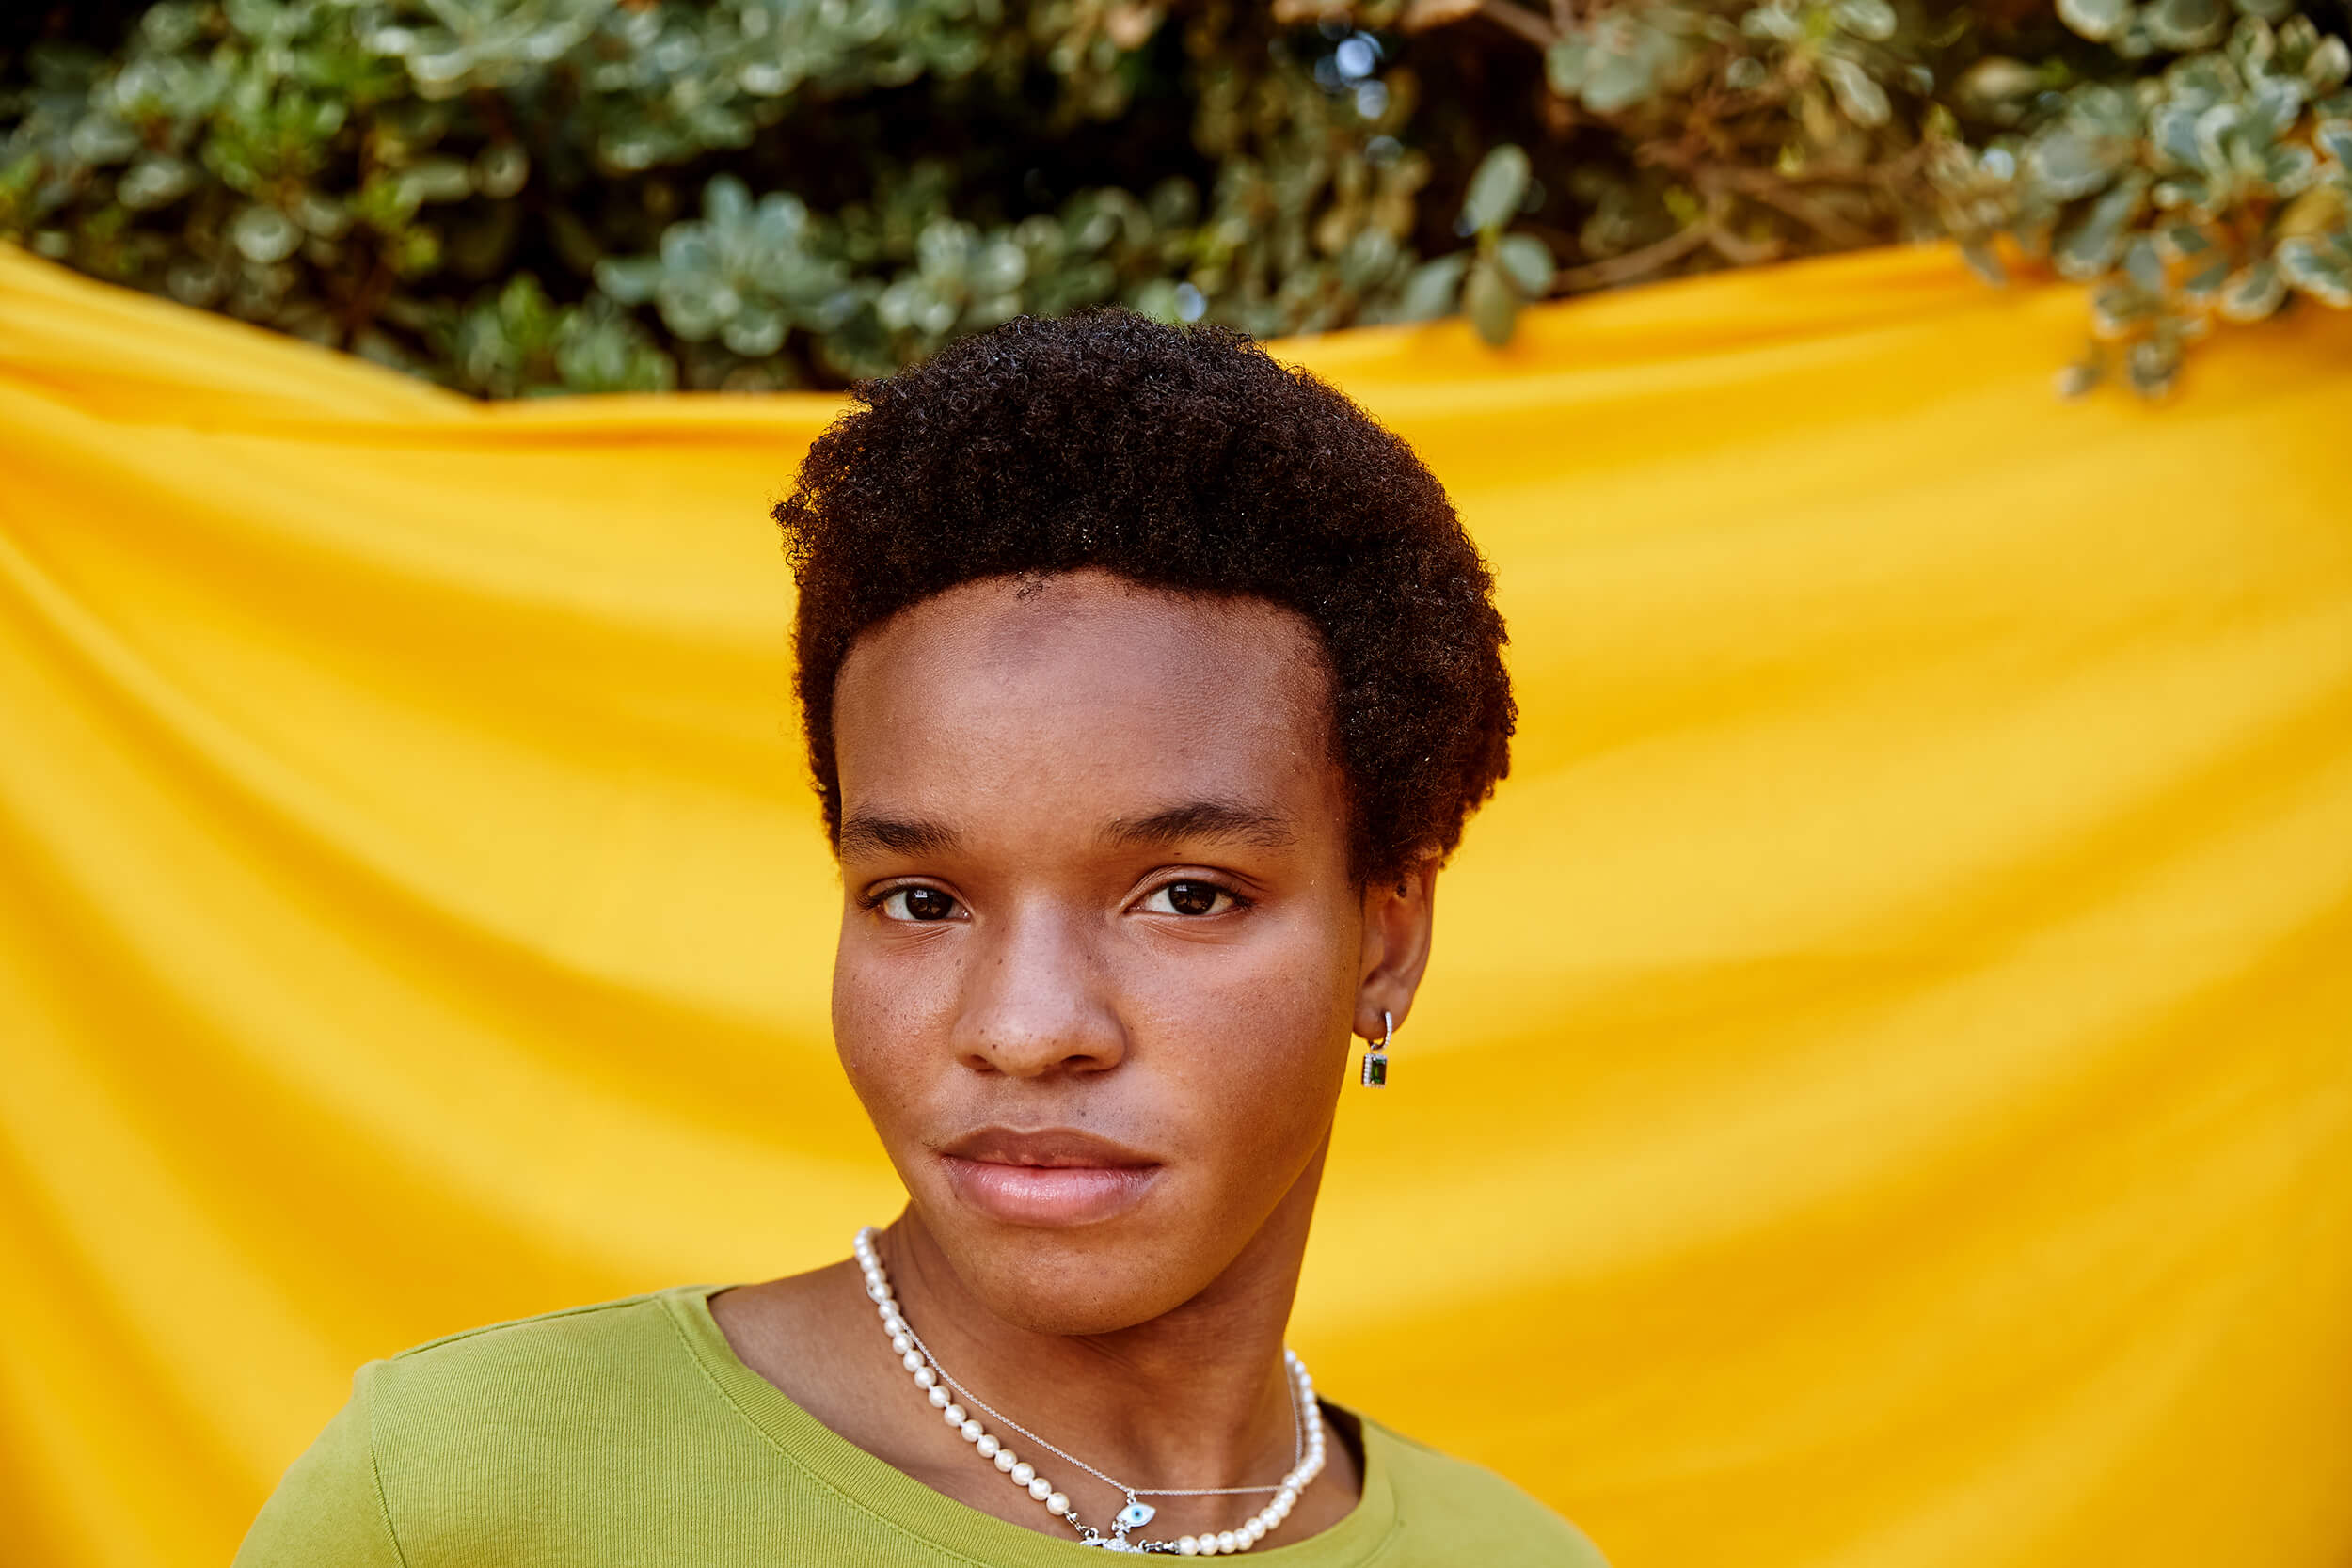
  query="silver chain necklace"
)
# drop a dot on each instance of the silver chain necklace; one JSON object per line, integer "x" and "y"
{"x": 944, "y": 1393}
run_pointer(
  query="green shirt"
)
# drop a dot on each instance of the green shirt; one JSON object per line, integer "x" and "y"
{"x": 630, "y": 1434}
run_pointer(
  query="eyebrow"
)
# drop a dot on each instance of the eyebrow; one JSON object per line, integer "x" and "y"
{"x": 863, "y": 833}
{"x": 1195, "y": 820}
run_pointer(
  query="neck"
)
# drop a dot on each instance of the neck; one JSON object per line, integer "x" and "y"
{"x": 1196, "y": 1397}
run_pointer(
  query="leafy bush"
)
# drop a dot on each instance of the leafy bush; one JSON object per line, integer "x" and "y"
{"x": 523, "y": 196}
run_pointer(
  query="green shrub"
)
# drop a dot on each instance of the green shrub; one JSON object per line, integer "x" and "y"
{"x": 2187, "y": 157}
{"x": 525, "y": 196}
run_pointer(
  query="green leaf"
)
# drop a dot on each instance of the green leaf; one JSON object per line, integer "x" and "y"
{"x": 2173, "y": 129}
{"x": 1430, "y": 293}
{"x": 1863, "y": 100}
{"x": 2152, "y": 364}
{"x": 1490, "y": 302}
{"x": 1370, "y": 257}
{"x": 755, "y": 333}
{"x": 2104, "y": 111}
{"x": 103, "y": 140}
{"x": 688, "y": 249}
{"x": 2186, "y": 24}
{"x": 2203, "y": 287}
{"x": 1000, "y": 266}
{"x": 1157, "y": 299}
{"x": 2322, "y": 270}
{"x": 1775, "y": 19}
{"x": 2077, "y": 379}
{"x": 690, "y": 307}
{"x": 2173, "y": 194}
{"x": 2268, "y": 10}
{"x": 2329, "y": 63}
{"x": 628, "y": 279}
{"x": 2252, "y": 43}
{"x": 2199, "y": 82}
{"x": 1866, "y": 19}
{"x": 1527, "y": 261}
{"x": 435, "y": 179}
{"x": 726, "y": 201}
{"x": 501, "y": 170}
{"x": 2096, "y": 20}
{"x": 1984, "y": 261}
{"x": 2276, "y": 103}
{"x": 2067, "y": 164}
{"x": 1565, "y": 65}
{"x": 2088, "y": 248}
{"x": 2219, "y": 133}
{"x": 264, "y": 235}
{"x": 154, "y": 181}
{"x": 2334, "y": 139}
{"x": 2290, "y": 171}
{"x": 779, "y": 221}
{"x": 2115, "y": 308}
{"x": 1497, "y": 188}
{"x": 1618, "y": 81}
{"x": 2181, "y": 241}
{"x": 1633, "y": 51}
{"x": 1997, "y": 81}
{"x": 2253, "y": 292}
{"x": 2143, "y": 266}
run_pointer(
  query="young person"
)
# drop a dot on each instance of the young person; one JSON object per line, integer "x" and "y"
{"x": 1147, "y": 684}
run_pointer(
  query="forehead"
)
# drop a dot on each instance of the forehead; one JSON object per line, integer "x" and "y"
{"x": 1063, "y": 702}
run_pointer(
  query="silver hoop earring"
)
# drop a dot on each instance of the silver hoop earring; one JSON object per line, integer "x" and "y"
{"x": 1376, "y": 1057}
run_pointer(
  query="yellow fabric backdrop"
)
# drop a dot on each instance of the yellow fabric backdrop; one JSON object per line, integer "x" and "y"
{"x": 1883, "y": 1099}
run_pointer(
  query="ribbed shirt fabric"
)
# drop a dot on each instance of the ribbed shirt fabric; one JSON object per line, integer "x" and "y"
{"x": 630, "y": 1434}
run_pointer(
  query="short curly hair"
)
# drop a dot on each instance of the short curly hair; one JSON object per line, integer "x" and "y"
{"x": 1177, "y": 458}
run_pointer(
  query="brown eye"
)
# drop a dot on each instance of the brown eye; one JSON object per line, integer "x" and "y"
{"x": 919, "y": 903}
{"x": 1189, "y": 898}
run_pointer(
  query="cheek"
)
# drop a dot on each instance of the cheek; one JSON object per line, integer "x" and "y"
{"x": 1253, "y": 1046}
{"x": 884, "y": 1025}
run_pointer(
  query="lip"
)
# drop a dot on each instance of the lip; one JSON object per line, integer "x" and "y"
{"x": 1049, "y": 1178}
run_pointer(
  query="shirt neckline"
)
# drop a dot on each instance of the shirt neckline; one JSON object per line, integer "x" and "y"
{"x": 897, "y": 1499}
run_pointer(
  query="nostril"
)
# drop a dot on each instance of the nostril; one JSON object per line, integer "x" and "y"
{"x": 1094, "y": 1050}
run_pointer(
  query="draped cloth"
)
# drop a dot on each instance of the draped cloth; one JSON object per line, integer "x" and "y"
{"x": 1883, "y": 1094}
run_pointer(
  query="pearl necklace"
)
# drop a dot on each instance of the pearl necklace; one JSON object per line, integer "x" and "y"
{"x": 943, "y": 1391}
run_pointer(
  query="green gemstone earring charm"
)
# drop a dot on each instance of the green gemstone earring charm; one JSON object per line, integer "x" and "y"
{"x": 1376, "y": 1057}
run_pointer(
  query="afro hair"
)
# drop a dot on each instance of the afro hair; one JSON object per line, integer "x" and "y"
{"x": 1183, "y": 459}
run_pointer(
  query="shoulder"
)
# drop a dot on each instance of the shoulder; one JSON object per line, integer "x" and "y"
{"x": 535, "y": 1381}
{"x": 1478, "y": 1516}
{"x": 458, "y": 1431}
{"x": 486, "y": 1436}
{"x": 606, "y": 1335}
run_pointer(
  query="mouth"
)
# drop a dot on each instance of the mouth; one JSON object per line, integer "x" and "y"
{"x": 1055, "y": 1177}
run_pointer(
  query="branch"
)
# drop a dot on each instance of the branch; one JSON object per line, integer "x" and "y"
{"x": 1517, "y": 18}
{"x": 1831, "y": 226}
{"x": 1737, "y": 251}
{"x": 1634, "y": 263}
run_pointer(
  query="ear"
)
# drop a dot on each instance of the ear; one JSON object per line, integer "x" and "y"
{"x": 1399, "y": 913}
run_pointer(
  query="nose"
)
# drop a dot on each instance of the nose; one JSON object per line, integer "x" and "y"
{"x": 1037, "y": 1000}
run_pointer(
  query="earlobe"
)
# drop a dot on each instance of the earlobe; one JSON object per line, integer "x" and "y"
{"x": 1398, "y": 920}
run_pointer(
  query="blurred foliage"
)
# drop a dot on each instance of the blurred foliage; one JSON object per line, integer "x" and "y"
{"x": 524, "y": 196}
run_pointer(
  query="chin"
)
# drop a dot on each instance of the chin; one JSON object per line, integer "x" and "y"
{"x": 1095, "y": 1280}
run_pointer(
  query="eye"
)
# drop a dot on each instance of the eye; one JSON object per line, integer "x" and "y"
{"x": 1193, "y": 898}
{"x": 917, "y": 904}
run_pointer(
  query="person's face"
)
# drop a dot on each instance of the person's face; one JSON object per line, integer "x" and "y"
{"x": 1101, "y": 949}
